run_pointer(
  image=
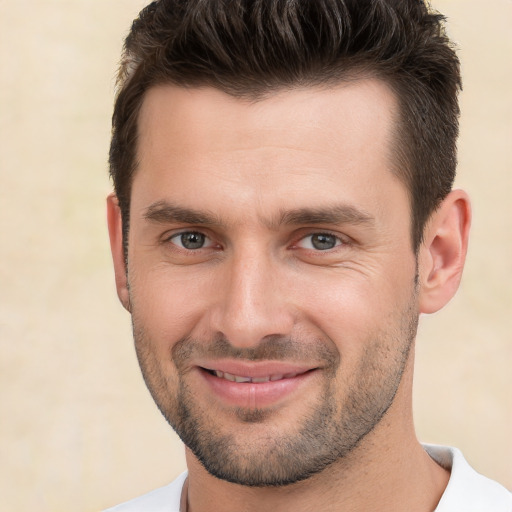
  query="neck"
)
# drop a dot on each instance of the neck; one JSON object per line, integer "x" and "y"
{"x": 388, "y": 471}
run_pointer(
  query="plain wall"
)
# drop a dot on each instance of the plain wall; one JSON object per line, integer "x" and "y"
{"x": 78, "y": 430}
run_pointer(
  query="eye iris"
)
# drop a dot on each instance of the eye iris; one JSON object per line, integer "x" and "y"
{"x": 192, "y": 240}
{"x": 323, "y": 241}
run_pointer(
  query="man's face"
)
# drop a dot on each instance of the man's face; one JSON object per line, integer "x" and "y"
{"x": 271, "y": 275}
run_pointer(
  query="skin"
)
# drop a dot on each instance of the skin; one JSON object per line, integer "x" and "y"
{"x": 259, "y": 290}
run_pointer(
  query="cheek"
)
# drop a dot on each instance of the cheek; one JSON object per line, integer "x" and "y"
{"x": 166, "y": 304}
{"x": 354, "y": 309}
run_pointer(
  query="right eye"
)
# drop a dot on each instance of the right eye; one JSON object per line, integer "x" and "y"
{"x": 191, "y": 240}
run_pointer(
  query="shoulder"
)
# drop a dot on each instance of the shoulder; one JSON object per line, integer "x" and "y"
{"x": 467, "y": 490}
{"x": 163, "y": 499}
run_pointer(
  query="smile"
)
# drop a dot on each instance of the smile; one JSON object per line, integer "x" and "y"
{"x": 238, "y": 378}
{"x": 254, "y": 385}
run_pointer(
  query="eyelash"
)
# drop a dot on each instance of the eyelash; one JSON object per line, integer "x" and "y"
{"x": 192, "y": 232}
{"x": 337, "y": 240}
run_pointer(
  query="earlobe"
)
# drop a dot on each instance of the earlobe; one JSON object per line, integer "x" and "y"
{"x": 443, "y": 252}
{"x": 115, "y": 231}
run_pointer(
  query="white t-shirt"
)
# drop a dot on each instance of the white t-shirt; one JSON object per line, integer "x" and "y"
{"x": 467, "y": 490}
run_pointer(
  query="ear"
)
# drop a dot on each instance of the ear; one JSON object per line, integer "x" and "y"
{"x": 443, "y": 252}
{"x": 115, "y": 231}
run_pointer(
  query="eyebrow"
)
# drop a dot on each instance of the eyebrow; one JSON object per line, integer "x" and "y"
{"x": 163, "y": 212}
{"x": 336, "y": 214}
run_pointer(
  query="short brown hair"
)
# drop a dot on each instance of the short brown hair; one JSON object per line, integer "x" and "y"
{"x": 250, "y": 48}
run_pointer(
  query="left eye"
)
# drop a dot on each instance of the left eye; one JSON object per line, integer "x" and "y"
{"x": 191, "y": 240}
{"x": 320, "y": 242}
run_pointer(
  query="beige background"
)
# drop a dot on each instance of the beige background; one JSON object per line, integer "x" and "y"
{"x": 78, "y": 430}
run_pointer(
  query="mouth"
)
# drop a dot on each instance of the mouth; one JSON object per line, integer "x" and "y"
{"x": 255, "y": 385}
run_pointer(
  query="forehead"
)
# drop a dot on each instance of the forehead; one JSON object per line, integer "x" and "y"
{"x": 329, "y": 141}
{"x": 192, "y": 113}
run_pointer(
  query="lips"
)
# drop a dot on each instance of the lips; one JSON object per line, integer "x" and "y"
{"x": 254, "y": 384}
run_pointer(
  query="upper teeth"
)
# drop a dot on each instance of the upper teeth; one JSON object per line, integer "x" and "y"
{"x": 267, "y": 378}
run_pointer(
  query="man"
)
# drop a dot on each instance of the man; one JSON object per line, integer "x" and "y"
{"x": 283, "y": 212}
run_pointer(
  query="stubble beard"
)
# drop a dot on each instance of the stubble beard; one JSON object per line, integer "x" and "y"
{"x": 326, "y": 434}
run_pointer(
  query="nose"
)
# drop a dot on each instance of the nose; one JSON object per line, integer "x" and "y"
{"x": 252, "y": 301}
